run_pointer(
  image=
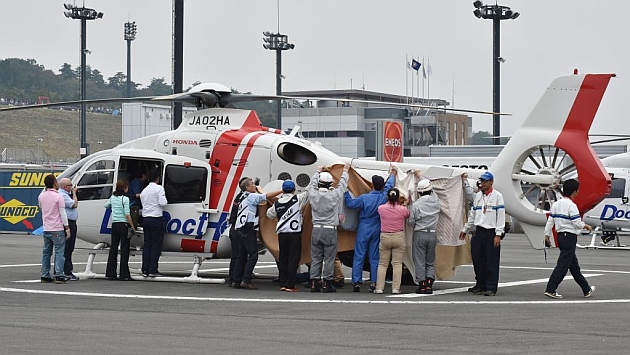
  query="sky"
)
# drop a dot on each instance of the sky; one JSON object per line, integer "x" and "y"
{"x": 341, "y": 44}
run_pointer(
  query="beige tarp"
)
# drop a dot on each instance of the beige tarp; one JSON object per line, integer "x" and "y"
{"x": 450, "y": 251}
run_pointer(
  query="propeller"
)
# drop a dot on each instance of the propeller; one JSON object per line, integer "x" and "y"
{"x": 209, "y": 95}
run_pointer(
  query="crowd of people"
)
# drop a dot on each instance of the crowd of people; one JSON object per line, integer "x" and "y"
{"x": 380, "y": 238}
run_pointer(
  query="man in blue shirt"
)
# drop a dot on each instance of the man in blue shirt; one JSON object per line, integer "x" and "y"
{"x": 247, "y": 228}
{"x": 369, "y": 230}
{"x": 71, "y": 202}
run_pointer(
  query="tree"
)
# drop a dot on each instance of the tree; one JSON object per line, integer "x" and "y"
{"x": 67, "y": 73}
{"x": 158, "y": 87}
{"x": 118, "y": 81}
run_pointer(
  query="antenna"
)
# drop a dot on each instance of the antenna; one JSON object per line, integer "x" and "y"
{"x": 278, "y": 2}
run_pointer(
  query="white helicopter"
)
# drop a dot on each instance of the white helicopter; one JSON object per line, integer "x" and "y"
{"x": 203, "y": 159}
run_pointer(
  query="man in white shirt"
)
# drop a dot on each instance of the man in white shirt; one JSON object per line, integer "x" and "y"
{"x": 487, "y": 216}
{"x": 153, "y": 199}
{"x": 564, "y": 215}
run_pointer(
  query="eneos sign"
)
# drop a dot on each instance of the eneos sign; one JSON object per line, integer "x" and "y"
{"x": 393, "y": 141}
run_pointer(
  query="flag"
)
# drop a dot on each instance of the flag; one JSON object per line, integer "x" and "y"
{"x": 424, "y": 73}
{"x": 415, "y": 65}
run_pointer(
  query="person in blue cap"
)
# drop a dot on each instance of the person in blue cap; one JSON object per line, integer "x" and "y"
{"x": 288, "y": 210}
{"x": 487, "y": 217}
{"x": 369, "y": 230}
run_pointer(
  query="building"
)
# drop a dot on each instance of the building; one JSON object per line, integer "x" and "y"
{"x": 141, "y": 119}
{"x": 350, "y": 128}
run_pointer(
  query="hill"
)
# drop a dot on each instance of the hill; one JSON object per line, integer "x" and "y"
{"x": 59, "y": 134}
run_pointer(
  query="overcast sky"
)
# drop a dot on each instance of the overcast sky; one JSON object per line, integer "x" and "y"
{"x": 342, "y": 41}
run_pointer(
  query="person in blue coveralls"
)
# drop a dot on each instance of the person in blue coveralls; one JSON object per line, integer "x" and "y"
{"x": 369, "y": 230}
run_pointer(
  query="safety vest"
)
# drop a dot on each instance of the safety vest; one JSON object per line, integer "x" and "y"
{"x": 289, "y": 216}
{"x": 243, "y": 213}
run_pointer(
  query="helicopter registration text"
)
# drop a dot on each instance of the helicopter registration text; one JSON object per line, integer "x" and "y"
{"x": 211, "y": 122}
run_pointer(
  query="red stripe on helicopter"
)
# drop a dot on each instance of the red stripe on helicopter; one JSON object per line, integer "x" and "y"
{"x": 223, "y": 156}
{"x": 595, "y": 183}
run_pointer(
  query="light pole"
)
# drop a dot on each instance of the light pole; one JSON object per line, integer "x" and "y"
{"x": 39, "y": 148}
{"x": 496, "y": 13}
{"x": 130, "y": 35}
{"x": 277, "y": 42}
{"x": 83, "y": 14}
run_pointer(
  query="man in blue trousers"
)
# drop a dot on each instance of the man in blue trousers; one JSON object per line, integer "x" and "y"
{"x": 369, "y": 230}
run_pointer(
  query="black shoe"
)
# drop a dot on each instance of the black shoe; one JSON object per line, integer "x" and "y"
{"x": 112, "y": 278}
{"x": 60, "y": 280}
{"x": 248, "y": 286}
{"x": 235, "y": 285}
{"x": 316, "y": 285}
{"x": 356, "y": 288}
{"x": 328, "y": 287}
{"x": 128, "y": 278}
{"x": 474, "y": 289}
{"x": 339, "y": 284}
{"x": 490, "y": 293}
{"x": 47, "y": 280}
{"x": 72, "y": 277}
{"x": 372, "y": 287}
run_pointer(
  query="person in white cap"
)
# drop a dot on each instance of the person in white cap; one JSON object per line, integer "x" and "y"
{"x": 487, "y": 216}
{"x": 324, "y": 199}
{"x": 424, "y": 217}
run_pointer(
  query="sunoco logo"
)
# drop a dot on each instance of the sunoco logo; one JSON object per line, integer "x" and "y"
{"x": 15, "y": 211}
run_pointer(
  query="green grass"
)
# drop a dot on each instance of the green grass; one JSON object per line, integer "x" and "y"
{"x": 59, "y": 131}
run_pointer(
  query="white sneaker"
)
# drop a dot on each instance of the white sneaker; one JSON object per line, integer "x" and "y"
{"x": 395, "y": 291}
{"x": 378, "y": 290}
{"x": 590, "y": 293}
{"x": 553, "y": 295}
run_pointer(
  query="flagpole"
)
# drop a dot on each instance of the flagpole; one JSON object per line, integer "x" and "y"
{"x": 418, "y": 82}
{"x": 406, "y": 78}
{"x": 423, "y": 77}
{"x": 412, "y": 81}
{"x": 428, "y": 78}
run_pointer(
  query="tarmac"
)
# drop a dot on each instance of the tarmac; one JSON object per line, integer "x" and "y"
{"x": 98, "y": 316}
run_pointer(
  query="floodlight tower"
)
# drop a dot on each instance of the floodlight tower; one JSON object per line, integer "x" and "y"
{"x": 130, "y": 35}
{"x": 82, "y": 13}
{"x": 277, "y": 42}
{"x": 496, "y": 13}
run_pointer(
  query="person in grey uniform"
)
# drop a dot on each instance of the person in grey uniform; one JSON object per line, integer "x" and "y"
{"x": 324, "y": 201}
{"x": 423, "y": 218}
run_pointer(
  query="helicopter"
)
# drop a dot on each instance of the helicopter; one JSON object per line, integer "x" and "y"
{"x": 202, "y": 161}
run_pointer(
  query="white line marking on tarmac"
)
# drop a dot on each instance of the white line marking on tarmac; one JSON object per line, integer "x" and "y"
{"x": 465, "y": 289}
{"x": 284, "y": 300}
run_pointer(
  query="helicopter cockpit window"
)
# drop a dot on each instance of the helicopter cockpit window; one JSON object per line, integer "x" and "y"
{"x": 296, "y": 154}
{"x": 185, "y": 185}
{"x": 618, "y": 188}
{"x": 97, "y": 181}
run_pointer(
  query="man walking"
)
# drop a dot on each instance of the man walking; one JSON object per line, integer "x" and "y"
{"x": 71, "y": 202}
{"x": 487, "y": 215}
{"x": 56, "y": 227}
{"x": 564, "y": 215}
{"x": 153, "y": 199}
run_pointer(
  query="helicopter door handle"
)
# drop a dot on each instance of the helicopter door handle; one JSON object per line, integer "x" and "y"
{"x": 624, "y": 200}
{"x": 208, "y": 210}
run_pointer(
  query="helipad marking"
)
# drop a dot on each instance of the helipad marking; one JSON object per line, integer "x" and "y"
{"x": 284, "y": 300}
{"x": 465, "y": 289}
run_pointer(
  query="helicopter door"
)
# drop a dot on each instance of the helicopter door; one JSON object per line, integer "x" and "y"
{"x": 95, "y": 184}
{"x": 186, "y": 188}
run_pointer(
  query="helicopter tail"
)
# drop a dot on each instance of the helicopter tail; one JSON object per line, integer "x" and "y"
{"x": 551, "y": 146}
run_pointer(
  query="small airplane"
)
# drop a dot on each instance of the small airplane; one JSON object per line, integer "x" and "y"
{"x": 203, "y": 159}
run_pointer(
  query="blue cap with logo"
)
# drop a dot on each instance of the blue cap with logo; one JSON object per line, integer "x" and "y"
{"x": 288, "y": 186}
{"x": 487, "y": 176}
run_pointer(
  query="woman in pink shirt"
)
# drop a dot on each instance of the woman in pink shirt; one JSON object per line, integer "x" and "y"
{"x": 392, "y": 245}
